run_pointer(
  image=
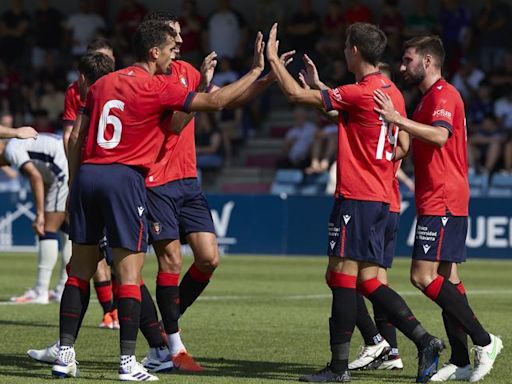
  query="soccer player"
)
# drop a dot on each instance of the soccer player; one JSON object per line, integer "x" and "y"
{"x": 177, "y": 206}
{"x": 74, "y": 100}
{"x": 17, "y": 133}
{"x": 123, "y": 139}
{"x": 366, "y": 148}
{"x": 438, "y": 128}
{"x": 43, "y": 162}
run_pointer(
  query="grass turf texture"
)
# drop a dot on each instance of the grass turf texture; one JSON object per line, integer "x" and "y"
{"x": 261, "y": 320}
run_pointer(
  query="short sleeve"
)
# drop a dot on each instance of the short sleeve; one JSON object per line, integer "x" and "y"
{"x": 16, "y": 154}
{"x": 70, "y": 108}
{"x": 342, "y": 98}
{"x": 173, "y": 96}
{"x": 443, "y": 112}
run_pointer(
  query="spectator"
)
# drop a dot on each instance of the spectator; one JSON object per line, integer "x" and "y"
{"x": 455, "y": 22}
{"x": 323, "y": 150}
{"x": 467, "y": 79}
{"x": 481, "y": 105}
{"x": 485, "y": 143}
{"x": 53, "y": 102}
{"x": 298, "y": 141}
{"x": 42, "y": 122}
{"x": 191, "y": 31}
{"x": 421, "y": 22}
{"x": 208, "y": 143}
{"x": 225, "y": 74}
{"x": 48, "y": 22}
{"x": 501, "y": 77}
{"x": 129, "y": 17}
{"x": 333, "y": 29}
{"x": 227, "y": 31}
{"x": 392, "y": 23}
{"x": 268, "y": 12}
{"x": 357, "y": 12}
{"x": 503, "y": 111}
{"x": 14, "y": 32}
{"x": 83, "y": 27}
{"x": 493, "y": 26}
{"x": 337, "y": 74}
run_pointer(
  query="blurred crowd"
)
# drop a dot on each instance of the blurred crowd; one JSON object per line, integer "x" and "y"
{"x": 39, "y": 52}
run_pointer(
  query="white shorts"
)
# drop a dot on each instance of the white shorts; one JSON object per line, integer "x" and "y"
{"x": 56, "y": 195}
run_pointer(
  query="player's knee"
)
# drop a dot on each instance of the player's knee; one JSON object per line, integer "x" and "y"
{"x": 208, "y": 264}
{"x": 419, "y": 280}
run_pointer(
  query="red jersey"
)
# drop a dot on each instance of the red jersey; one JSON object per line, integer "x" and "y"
{"x": 177, "y": 157}
{"x": 396, "y": 199}
{"x": 441, "y": 173}
{"x": 366, "y": 143}
{"x": 125, "y": 109}
{"x": 72, "y": 102}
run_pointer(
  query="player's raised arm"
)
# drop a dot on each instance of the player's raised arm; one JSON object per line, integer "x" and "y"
{"x": 222, "y": 97}
{"x": 291, "y": 89}
{"x": 434, "y": 135}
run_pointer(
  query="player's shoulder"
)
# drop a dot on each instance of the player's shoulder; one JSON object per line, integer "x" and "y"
{"x": 73, "y": 88}
{"x": 184, "y": 68}
{"x": 443, "y": 89}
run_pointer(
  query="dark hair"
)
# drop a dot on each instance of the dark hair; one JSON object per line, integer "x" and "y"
{"x": 428, "y": 45}
{"x": 160, "y": 16}
{"x": 99, "y": 43}
{"x": 369, "y": 40}
{"x": 93, "y": 65}
{"x": 149, "y": 34}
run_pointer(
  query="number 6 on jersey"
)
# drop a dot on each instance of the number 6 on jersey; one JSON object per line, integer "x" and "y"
{"x": 106, "y": 119}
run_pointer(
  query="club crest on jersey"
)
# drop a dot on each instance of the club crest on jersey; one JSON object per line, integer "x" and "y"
{"x": 183, "y": 81}
{"x": 336, "y": 94}
{"x": 426, "y": 248}
{"x": 156, "y": 228}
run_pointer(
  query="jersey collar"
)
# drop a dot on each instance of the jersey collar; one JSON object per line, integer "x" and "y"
{"x": 368, "y": 75}
{"x": 433, "y": 85}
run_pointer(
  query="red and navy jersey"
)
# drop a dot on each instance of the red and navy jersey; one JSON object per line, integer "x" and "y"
{"x": 177, "y": 157}
{"x": 441, "y": 173}
{"x": 395, "y": 191}
{"x": 125, "y": 110}
{"x": 366, "y": 143}
{"x": 72, "y": 103}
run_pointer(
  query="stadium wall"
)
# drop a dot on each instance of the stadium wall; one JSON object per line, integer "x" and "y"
{"x": 286, "y": 225}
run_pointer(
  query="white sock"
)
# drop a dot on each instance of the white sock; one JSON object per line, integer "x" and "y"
{"x": 175, "y": 343}
{"x": 66, "y": 354}
{"x": 65, "y": 255}
{"x": 47, "y": 257}
{"x": 127, "y": 362}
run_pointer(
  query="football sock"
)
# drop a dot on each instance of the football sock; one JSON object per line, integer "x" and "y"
{"x": 343, "y": 318}
{"x": 365, "y": 323}
{"x": 104, "y": 294}
{"x": 398, "y": 311}
{"x": 446, "y": 295}
{"x": 385, "y": 327}
{"x": 457, "y": 336}
{"x": 73, "y": 305}
{"x": 168, "y": 299}
{"x": 192, "y": 285}
{"x": 46, "y": 259}
{"x": 65, "y": 254}
{"x": 175, "y": 343}
{"x": 129, "y": 317}
{"x": 149, "y": 325}
{"x": 115, "y": 290}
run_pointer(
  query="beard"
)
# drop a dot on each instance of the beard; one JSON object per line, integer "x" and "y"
{"x": 414, "y": 78}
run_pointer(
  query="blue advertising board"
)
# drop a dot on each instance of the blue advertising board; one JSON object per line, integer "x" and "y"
{"x": 271, "y": 224}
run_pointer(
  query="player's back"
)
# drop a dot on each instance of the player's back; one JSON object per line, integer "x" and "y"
{"x": 366, "y": 143}
{"x": 442, "y": 184}
{"x": 125, "y": 109}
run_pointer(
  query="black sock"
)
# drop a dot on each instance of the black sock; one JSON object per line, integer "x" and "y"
{"x": 168, "y": 300}
{"x": 128, "y": 306}
{"x": 365, "y": 323}
{"x": 446, "y": 295}
{"x": 104, "y": 294}
{"x": 149, "y": 325}
{"x": 192, "y": 285}
{"x": 384, "y": 325}
{"x": 343, "y": 318}
{"x": 398, "y": 310}
{"x": 85, "y": 304}
{"x": 74, "y": 299}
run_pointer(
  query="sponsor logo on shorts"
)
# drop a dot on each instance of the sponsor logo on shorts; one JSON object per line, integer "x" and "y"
{"x": 426, "y": 248}
{"x": 424, "y": 234}
{"x": 156, "y": 228}
{"x": 332, "y": 244}
{"x": 444, "y": 220}
{"x": 333, "y": 230}
{"x": 140, "y": 210}
{"x": 346, "y": 218}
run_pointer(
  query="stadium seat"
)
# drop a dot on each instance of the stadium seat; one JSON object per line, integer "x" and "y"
{"x": 287, "y": 181}
{"x": 278, "y": 189}
{"x": 478, "y": 185}
{"x": 500, "y": 186}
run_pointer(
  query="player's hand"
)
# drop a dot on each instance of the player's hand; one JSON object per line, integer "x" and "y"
{"x": 285, "y": 58}
{"x": 259, "y": 48}
{"x": 38, "y": 225}
{"x": 302, "y": 81}
{"x": 272, "y": 44}
{"x": 385, "y": 107}
{"x": 26, "y": 133}
{"x": 208, "y": 68}
{"x": 310, "y": 73}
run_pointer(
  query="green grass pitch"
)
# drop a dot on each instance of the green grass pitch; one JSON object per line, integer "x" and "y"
{"x": 261, "y": 320}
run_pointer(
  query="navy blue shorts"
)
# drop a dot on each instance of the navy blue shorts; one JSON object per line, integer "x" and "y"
{"x": 390, "y": 239}
{"x": 356, "y": 230}
{"x": 178, "y": 207}
{"x": 109, "y": 200}
{"x": 441, "y": 238}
